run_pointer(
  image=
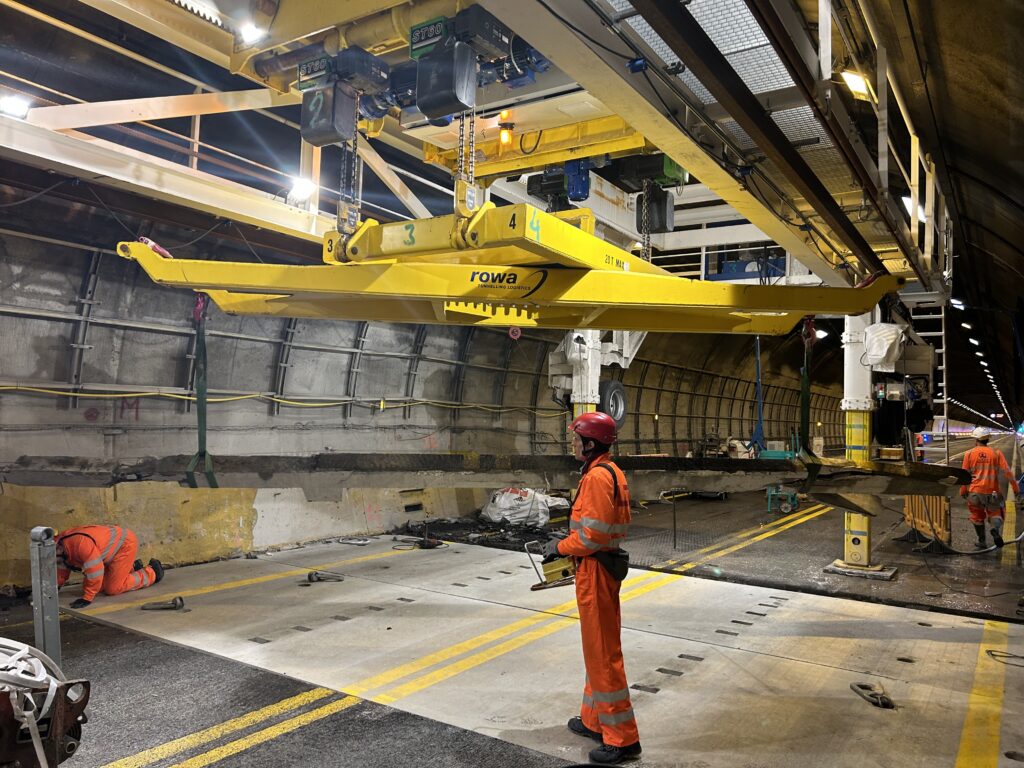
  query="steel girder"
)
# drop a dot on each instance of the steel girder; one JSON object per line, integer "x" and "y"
{"x": 688, "y": 40}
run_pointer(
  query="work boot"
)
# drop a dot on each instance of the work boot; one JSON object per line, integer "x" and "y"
{"x": 608, "y": 755}
{"x": 996, "y": 524}
{"x": 979, "y": 528}
{"x": 576, "y": 726}
{"x": 158, "y": 569}
{"x": 137, "y": 565}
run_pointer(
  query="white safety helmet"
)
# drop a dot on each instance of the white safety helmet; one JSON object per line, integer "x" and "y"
{"x": 981, "y": 433}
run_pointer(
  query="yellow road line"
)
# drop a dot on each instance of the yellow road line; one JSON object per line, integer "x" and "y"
{"x": 259, "y": 737}
{"x": 741, "y": 545}
{"x": 370, "y": 683}
{"x": 469, "y": 662}
{"x": 1009, "y": 554}
{"x": 979, "y": 739}
{"x": 638, "y": 586}
{"x": 746, "y": 533}
{"x": 193, "y": 740}
{"x": 112, "y": 607}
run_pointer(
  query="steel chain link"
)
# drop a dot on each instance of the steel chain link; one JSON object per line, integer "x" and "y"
{"x": 645, "y": 222}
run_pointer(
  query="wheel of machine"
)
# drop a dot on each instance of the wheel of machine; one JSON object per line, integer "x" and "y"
{"x": 785, "y": 507}
{"x": 612, "y": 400}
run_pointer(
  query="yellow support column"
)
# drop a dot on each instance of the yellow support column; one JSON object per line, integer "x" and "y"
{"x": 857, "y": 538}
{"x": 578, "y": 409}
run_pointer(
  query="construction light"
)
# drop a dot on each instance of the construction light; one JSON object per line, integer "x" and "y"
{"x": 856, "y": 83}
{"x": 14, "y": 106}
{"x": 980, "y": 354}
{"x": 251, "y": 33}
{"x": 505, "y": 135}
{"x": 983, "y": 364}
{"x": 920, "y": 212}
{"x": 821, "y": 333}
{"x": 302, "y": 189}
{"x": 968, "y": 326}
{"x": 955, "y": 303}
{"x": 975, "y": 342}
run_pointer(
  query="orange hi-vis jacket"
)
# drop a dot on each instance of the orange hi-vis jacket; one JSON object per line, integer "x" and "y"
{"x": 600, "y": 513}
{"x": 599, "y": 522}
{"x": 89, "y": 549}
{"x": 985, "y": 465}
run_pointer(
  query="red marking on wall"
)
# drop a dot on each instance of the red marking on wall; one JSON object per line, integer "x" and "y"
{"x": 130, "y": 404}
{"x": 91, "y": 414}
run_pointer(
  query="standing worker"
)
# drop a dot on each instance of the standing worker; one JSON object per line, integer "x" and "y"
{"x": 984, "y": 498}
{"x": 599, "y": 522}
{"x": 105, "y": 554}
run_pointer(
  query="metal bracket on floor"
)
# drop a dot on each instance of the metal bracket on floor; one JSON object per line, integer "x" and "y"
{"x": 175, "y": 604}
{"x": 873, "y": 694}
{"x": 314, "y": 576}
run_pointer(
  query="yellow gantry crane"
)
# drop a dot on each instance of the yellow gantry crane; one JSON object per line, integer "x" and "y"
{"x": 508, "y": 266}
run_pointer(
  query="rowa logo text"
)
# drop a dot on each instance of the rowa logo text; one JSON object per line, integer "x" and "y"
{"x": 506, "y": 278}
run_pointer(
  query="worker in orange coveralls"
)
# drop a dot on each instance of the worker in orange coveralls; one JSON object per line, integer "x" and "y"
{"x": 984, "y": 498}
{"x": 599, "y": 522}
{"x": 105, "y": 554}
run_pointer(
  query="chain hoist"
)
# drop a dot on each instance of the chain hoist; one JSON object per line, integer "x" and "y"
{"x": 467, "y": 196}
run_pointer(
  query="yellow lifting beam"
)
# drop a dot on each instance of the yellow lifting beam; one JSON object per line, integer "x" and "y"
{"x": 536, "y": 150}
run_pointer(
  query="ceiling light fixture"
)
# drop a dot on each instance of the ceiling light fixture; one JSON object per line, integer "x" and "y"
{"x": 975, "y": 342}
{"x": 968, "y": 326}
{"x": 955, "y": 303}
{"x": 14, "y": 106}
{"x": 920, "y": 212}
{"x": 821, "y": 333}
{"x": 856, "y": 83}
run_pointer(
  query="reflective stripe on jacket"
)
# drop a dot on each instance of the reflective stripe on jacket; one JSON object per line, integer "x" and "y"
{"x": 600, "y": 515}
{"x": 89, "y": 549}
{"x": 985, "y": 465}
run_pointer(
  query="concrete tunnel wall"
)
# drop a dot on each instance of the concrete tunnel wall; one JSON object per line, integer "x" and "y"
{"x": 93, "y": 319}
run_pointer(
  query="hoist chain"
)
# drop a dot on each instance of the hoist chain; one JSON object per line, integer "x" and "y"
{"x": 645, "y": 222}
{"x": 472, "y": 147}
{"x": 461, "y": 169}
{"x": 349, "y": 182}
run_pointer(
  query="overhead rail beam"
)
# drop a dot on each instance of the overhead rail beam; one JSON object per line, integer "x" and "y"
{"x": 630, "y": 96}
{"x": 789, "y": 39}
{"x": 688, "y": 40}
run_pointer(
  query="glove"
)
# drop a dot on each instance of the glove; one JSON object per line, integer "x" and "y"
{"x": 81, "y": 603}
{"x": 551, "y": 550}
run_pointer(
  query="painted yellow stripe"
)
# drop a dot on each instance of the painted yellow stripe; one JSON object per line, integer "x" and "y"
{"x": 112, "y": 607}
{"x": 439, "y": 675}
{"x": 259, "y": 737}
{"x": 741, "y": 545}
{"x": 638, "y": 586}
{"x": 1009, "y": 554}
{"x": 368, "y": 684}
{"x": 733, "y": 537}
{"x": 979, "y": 739}
{"x": 193, "y": 740}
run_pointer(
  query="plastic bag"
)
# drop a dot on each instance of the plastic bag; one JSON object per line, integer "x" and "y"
{"x": 521, "y": 506}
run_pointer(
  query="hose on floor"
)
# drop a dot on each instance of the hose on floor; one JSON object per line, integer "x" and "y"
{"x": 26, "y": 676}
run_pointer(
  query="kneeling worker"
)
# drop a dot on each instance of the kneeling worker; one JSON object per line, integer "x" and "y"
{"x": 105, "y": 554}
{"x": 599, "y": 522}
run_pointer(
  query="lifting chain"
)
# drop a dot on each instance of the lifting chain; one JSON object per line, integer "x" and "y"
{"x": 645, "y": 221}
{"x": 466, "y": 168}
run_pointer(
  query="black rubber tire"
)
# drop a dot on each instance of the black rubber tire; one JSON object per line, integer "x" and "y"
{"x": 612, "y": 400}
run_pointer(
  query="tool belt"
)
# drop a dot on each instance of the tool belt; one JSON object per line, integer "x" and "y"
{"x": 615, "y": 561}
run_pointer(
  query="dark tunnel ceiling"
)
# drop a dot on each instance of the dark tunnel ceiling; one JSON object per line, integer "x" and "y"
{"x": 960, "y": 67}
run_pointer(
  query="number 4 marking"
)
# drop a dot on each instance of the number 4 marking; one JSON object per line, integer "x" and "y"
{"x": 512, "y": 222}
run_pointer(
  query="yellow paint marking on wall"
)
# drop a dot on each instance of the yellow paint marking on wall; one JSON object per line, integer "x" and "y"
{"x": 979, "y": 739}
{"x": 290, "y": 573}
{"x": 259, "y": 737}
{"x": 177, "y": 525}
{"x": 193, "y": 740}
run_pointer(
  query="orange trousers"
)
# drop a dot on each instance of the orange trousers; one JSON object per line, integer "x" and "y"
{"x": 606, "y": 706}
{"x": 118, "y": 575}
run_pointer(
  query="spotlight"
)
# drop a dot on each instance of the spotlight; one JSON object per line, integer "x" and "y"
{"x": 821, "y": 333}
{"x": 857, "y": 84}
{"x": 251, "y": 33}
{"x": 302, "y": 189}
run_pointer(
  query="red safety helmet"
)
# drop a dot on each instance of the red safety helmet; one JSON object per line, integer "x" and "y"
{"x": 595, "y": 426}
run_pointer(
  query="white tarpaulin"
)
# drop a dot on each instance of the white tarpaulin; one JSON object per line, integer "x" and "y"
{"x": 521, "y": 506}
{"x": 883, "y": 344}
